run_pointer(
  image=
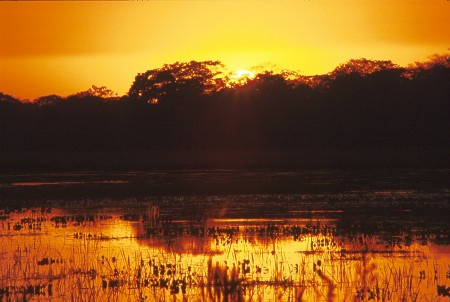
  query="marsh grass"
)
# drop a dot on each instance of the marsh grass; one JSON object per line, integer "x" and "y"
{"x": 49, "y": 254}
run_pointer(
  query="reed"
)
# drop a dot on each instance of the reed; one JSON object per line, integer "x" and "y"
{"x": 280, "y": 261}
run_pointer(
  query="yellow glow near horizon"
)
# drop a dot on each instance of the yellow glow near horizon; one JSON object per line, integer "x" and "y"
{"x": 65, "y": 47}
{"x": 240, "y": 77}
{"x": 243, "y": 73}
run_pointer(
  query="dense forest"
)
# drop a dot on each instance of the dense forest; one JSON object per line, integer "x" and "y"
{"x": 187, "y": 113}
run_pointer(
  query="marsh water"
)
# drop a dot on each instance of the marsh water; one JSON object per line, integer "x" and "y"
{"x": 216, "y": 235}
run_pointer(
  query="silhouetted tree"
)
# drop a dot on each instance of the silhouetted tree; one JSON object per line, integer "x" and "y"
{"x": 98, "y": 91}
{"x": 6, "y": 98}
{"x": 176, "y": 80}
{"x": 191, "y": 106}
{"x": 269, "y": 83}
{"x": 362, "y": 67}
{"x": 48, "y": 100}
{"x": 436, "y": 63}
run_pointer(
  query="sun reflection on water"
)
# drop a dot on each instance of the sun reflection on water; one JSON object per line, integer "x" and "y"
{"x": 110, "y": 255}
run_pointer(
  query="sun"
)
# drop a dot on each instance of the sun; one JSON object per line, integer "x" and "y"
{"x": 240, "y": 77}
{"x": 243, "y": 74}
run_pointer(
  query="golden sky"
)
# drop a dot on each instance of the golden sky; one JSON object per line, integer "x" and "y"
{"x": 65, "y": 47}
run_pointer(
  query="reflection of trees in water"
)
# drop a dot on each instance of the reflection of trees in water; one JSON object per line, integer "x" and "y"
{"x": 346, "y": 237}
{"x": 152, "y": 217}
{"x": 194, "y": 234}
{"x": 328, "y": 260}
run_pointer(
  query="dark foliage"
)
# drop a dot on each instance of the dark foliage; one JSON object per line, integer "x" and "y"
{"x": 187, "y": 106}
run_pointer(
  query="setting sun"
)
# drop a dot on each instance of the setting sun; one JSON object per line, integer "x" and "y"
{"x": 243, "y": 73}
{"x": 240, "y": 77}
{"x": 225, "y": 150}
{"x": 65, "y": 47}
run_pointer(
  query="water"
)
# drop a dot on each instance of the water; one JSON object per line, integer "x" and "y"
{"x": 225, "y": 235}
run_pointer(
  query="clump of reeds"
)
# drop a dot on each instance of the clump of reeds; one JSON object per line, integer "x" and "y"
{"x": 222, "y": 283}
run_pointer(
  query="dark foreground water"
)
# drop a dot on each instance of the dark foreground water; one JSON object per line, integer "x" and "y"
{"x": 226, "y": 235}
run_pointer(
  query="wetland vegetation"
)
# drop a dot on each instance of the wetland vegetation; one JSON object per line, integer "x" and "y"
{"x": 379, "y": 243}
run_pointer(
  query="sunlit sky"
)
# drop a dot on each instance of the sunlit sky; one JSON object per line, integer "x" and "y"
{"x": 65, "y": 47}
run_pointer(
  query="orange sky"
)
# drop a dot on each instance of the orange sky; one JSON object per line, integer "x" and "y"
{"x": 65, "y": 47}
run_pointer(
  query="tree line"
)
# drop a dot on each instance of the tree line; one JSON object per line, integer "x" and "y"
{"x": 195, "y": 106}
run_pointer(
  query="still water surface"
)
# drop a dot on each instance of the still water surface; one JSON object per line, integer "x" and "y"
{"x": 382, "y": 237}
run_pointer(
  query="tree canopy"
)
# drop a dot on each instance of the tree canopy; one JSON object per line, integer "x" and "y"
{"x": 184, "y": 106}
{"x": 178, "y": 80}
